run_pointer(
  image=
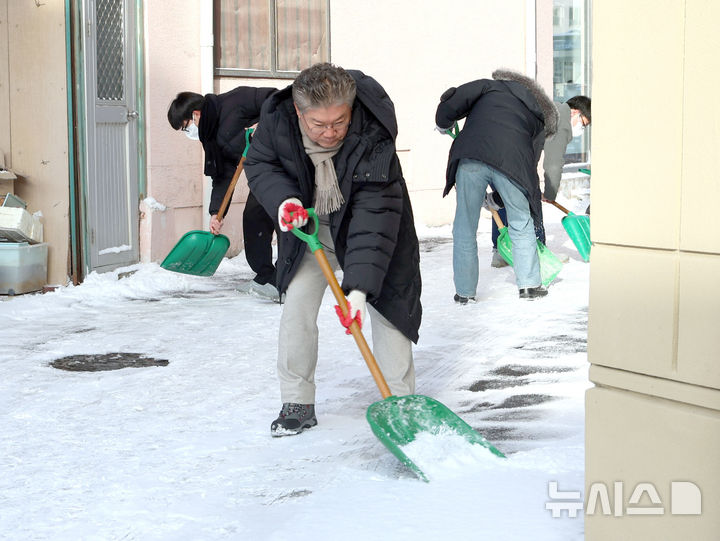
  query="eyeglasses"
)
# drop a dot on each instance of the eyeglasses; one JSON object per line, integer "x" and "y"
{"x": 340, "y": 126}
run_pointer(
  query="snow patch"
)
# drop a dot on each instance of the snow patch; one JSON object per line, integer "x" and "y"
{"x": 153, "y": 204}
{"x": 185, "y": 451}
{"x": 115, "y": 250}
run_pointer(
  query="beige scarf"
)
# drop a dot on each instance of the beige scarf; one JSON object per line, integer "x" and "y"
{"x": 328, "y": 197}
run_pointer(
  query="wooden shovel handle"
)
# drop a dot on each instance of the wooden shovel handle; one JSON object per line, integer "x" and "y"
{"x": 558, "y": 205}
{"x": 354, "y": 328}
{"x": 497, "y": 219}
{"x": 236, "y": 176}
{"x": 231, "y": 189}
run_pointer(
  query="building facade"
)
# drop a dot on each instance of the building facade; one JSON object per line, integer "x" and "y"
{"x": 87, "y": 85}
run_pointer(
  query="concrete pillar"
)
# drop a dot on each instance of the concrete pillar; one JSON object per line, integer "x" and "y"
{"x": 653, "y": 417}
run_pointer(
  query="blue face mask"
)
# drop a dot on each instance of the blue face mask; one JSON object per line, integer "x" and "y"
{"x": 191, "y": 131}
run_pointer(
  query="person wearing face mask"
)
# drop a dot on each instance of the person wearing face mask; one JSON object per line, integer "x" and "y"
{"x": 573, "y": 117}
{"x": 219, "y": 122}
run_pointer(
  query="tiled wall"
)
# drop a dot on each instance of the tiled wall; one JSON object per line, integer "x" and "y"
{"x": 654, "y": 323}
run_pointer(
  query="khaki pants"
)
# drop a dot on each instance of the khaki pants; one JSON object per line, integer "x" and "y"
{"x": 298, "y": 344}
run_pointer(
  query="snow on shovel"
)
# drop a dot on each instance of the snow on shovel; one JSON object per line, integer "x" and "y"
{"x": 550, "y": 265}
{"x": 396, "y": 420}
{"x": 578, "y": 229}
{"x": 200, "y": 252}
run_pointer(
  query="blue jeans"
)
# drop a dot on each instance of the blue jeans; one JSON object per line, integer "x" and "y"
{"x": 471, "y": 182}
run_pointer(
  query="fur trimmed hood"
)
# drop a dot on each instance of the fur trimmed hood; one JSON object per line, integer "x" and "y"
{"x": 548, "y": 107}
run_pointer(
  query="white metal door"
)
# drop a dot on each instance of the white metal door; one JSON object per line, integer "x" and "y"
{"x": 111, "y": 202}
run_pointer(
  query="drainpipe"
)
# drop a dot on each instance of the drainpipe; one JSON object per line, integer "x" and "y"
{"x": 69, "y": 51}
{"x": 206, "y": 83}
{"x": 141, "y": 95}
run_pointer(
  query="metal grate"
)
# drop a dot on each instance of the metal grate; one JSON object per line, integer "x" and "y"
{"x": 110, "y": 50}
{"x": 106, "y": 361}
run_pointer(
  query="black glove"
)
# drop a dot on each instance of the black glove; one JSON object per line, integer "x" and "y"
{"x": 493, "y": 201}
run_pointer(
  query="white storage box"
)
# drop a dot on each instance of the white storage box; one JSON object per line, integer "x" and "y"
{"x": 18, "y": 225}
{"x": 23, "y": 267}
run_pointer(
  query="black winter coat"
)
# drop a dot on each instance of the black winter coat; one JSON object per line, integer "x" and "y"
{"x": 236, "y": 110}
{"x": 373, "y": 231}
{"x": 507, "y": 120}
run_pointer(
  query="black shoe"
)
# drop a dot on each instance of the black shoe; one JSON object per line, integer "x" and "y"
{"x": 533, "y": 292}
{"x": 293, "y": 419}
{"x": 463, "y": 300}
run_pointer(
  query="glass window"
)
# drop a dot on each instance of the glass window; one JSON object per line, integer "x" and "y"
{"x": 571, "y": 63}
{"x": 270, "y": 38}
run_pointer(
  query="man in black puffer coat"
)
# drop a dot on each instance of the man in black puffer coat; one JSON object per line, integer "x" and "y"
{"x": 219, "y": 123}
{"x": 507, "y": 119}
{"x": 328, "y": 142}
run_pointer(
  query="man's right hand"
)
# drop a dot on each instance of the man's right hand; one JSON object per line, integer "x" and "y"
{"x": 291, "y": 214}
{"x": 215, "y": 225}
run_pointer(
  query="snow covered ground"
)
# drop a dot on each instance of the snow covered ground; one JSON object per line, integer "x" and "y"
{"x": 184, "y": 451}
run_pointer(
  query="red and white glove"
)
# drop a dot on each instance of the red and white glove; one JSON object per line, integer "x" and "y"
{"x": 356, "y": 310}
{"x": 291, "y": 214}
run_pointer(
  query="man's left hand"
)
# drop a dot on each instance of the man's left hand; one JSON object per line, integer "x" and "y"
{"x": 215, "y": 225}
{"x": 356, "y": 310}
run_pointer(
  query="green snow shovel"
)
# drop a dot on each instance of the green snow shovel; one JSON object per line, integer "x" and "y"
{"x": 550, "y": 265}
{"x": 200, "y": 252}
{"x": 578, "y": 229}
{"x": 395, "y": 420}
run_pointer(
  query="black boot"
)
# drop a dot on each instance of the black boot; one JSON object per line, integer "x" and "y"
{"x": 533, "y": 292}
{"x": 293, "y": 419}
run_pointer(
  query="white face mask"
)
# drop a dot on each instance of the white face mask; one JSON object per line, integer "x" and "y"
{"x": 191, "y": 132}
{"x": 577, "y": 129}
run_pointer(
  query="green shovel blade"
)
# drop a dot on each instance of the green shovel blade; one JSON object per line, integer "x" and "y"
{"x": 550, "y": 265}
{"x": 578, "y": 229}
{"x": 397, "y": 420}
{"x": 198, "y": 253}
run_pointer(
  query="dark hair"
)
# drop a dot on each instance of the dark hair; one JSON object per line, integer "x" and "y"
{"x": 582, "y": 104}
{"x": 182, "y": 106}
{"x": 323, "y": 85}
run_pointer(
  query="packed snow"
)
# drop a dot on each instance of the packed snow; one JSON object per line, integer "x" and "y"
{"x": 184, "y": 452}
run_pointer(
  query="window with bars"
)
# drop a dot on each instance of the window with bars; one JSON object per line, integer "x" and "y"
{"x": 270, "y": 38}
{"x": 110, "y": 50}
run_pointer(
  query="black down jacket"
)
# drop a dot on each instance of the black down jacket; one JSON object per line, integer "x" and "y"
{"x": 373, "y": 232}
{"x": 236, "y": 110}
{"x": 507, "y": 119}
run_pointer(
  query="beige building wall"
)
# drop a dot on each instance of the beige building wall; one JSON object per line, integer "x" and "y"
{"x": 33, "y": 118}
{"x": 177, "y": 59}
{"x": 174, "y": 163}
{"x": 653, "y": 341}
{"x": 417, "y": 50}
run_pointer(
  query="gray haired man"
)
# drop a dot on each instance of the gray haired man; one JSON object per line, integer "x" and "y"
{"x": 328, "y": 142}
